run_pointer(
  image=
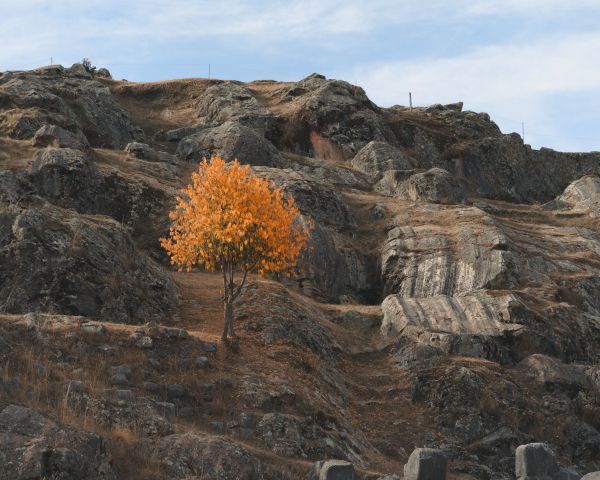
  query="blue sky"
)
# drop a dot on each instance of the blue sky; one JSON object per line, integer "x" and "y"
{"x": 531, "y": 61}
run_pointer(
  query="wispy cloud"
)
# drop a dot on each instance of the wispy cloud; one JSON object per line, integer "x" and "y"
{"x": 514, "y": 82}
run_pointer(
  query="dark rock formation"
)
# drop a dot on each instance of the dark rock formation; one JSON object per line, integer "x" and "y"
{"x": 65, "y": 99}
{"x": 53, "y": 136}
{"x": 55, "y": 260}
{"x": 33, "y": 446}
{"x": 230, "y": 141}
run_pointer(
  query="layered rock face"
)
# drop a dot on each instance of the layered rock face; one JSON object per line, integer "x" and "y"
{"x": 65, "y": 98}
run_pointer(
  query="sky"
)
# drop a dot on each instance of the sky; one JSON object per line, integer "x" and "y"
{"x": 531, "y": 63}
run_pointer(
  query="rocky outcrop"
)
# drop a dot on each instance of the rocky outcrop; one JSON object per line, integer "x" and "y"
{"x": 206, "y": 456}
{"x": 231, "y": 101}
{"x": 285, "y": 320}
{"x": 33, "y": 446}
{"x": 553, "y": 373}
{"x": 317, "y": 200}
{"x": 53, "y": 136}
{"x": 336, "y": 110}
{"x": 476, "y": 314}
{"x": 582, "y": 194}
{"x": 230, "y": 141}
{"x": 434, "y": 186}
{"x": 144, "y": 151}
{"x": 428, "y": 260}
{"x": 63, "y": 98}
{"x": 55, "y": 260}
{"x": 375, "y": 158}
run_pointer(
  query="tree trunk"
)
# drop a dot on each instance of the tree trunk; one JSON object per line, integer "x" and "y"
{"x": 227, "y": 319}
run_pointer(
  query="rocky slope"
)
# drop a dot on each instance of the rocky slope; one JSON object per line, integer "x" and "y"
{"x": 450, "y": 298}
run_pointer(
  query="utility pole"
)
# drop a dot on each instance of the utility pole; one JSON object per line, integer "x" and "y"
{"x": 410, "y": 100}
{"x": 209, "y": 71}
{"x": 51, "y": 61}
{"x": 523, "y": 131}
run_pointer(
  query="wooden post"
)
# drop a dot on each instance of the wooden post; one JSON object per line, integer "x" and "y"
{"x": 410, "y": 100}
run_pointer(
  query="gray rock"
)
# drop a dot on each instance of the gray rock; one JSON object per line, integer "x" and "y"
{"x": 591, "y": 476}
{"x": 53, "y": 259}
{"x": 230, "y": 101}
{"x": 175, "y": 391}
{"x": 202, "y": 362}
{"x": 179, "y": 134}
{"x": 425, "y": 261}
{"x": 207, "y": 347}
{"x": 151, "y": 387}
{"x": 535, "y": 461}
{"x": 568, "y": 474}
{"x": 65, "y": 99}
{"x": 53, "y": 136}
{"x": 426, "y": 464}
{"x": 435, "y": 185}
{"x": 125, "y": 395}
{"x": 104, "y": 73}
{"x": 119, "y": 379}
{"x": 78, "y": 70}
{"x": 375, "y": 158}
{"x": 230, "y": 141}
{"x": 146, "y": 152}
{"x": 33, "y": 446}
{"x": 336, "y": 470}
{"x": 552, "y": 372}
{"x": 207, "y": 456}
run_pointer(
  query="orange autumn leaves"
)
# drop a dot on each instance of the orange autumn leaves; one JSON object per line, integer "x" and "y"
{"x": 228, "y": 218}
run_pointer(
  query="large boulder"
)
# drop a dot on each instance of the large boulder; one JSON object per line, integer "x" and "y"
{"x": 469, "y": 253}
{"x": 375, "y": 158}
{"x": 231, "y": 141}
{"x": 33, "y": 446}
{"x": 535, "y": 461}
{"x": 73, "y": 179}
{"x": 337, "y": 111}
{"x": 198, "y": 455}
{"x": 426, "y": 464}
{"x": 65, "y": 176}
{"x": 53, "y": 136}
{"x": 435, "y": 186}
{"x": 552, "y": 372}
{"x": 591, "y": 476}
{"x": 56, "y": 260}
{"x": 582, "y": 194}
{"x": 228, "y": 101}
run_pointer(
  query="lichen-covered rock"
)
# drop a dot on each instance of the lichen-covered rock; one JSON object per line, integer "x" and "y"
{"x": 553, "y": 373}
{"x": 66, "y": 99}
{"x": 426, "y": 464}
{"x": 435, "y": 186}
{"x": 230, "y": 141}
{"x": 198, "y": 455}
{"x": 33, "y": 446}
{"x": 535, "y": 461}
{"x": 55, "y": 260}
{"x": 375, "y": 158}
{"x": 285, "y": 320}
{"x": 228, "y": 101}
{"x": 53, "y": 136}
{"x": 146, "y": 152}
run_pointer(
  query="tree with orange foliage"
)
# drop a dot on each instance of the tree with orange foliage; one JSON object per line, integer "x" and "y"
{"x": 230, "y": 220}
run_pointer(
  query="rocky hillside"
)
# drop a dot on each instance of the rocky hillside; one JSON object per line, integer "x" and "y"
{"x": 451, "y": 297}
